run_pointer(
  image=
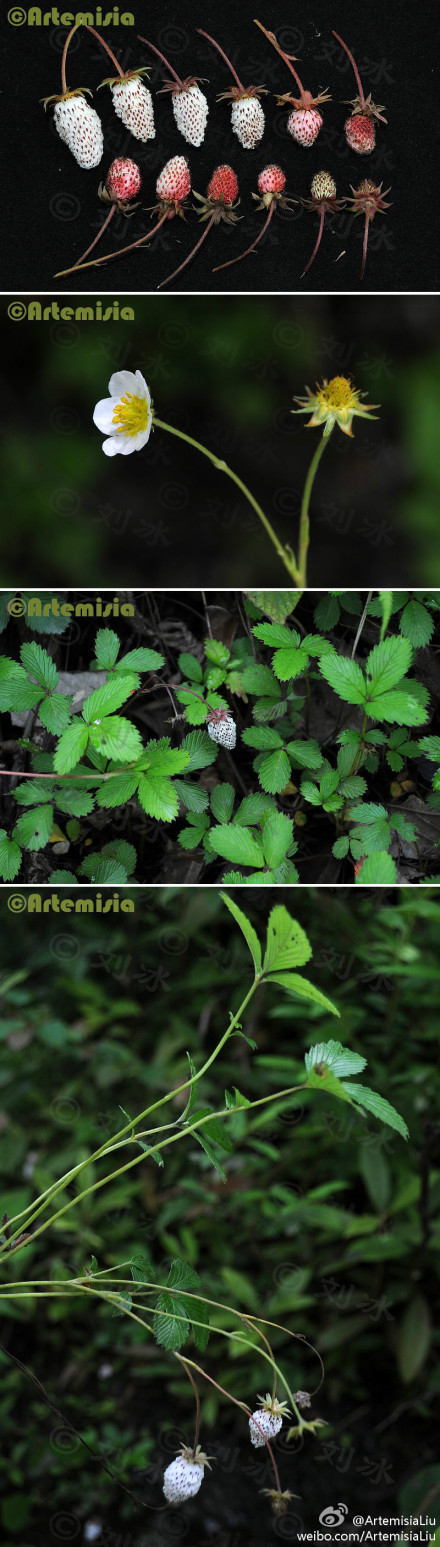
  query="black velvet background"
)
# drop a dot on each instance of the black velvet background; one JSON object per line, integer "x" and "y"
{"x": 53, "y": 206}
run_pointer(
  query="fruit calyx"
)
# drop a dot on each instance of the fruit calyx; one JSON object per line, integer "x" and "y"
{"x": 365, "y": 107}
{"x": 119, "y": 80}
{"x": 76, "y": 91}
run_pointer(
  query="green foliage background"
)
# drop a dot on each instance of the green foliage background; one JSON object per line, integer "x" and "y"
{"x": 327, "y": 1223}
{"x": 226, "y": 371}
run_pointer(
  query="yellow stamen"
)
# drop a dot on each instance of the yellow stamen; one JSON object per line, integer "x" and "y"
{"x": 131, "y": 415}
{"x": 338, "y": 393}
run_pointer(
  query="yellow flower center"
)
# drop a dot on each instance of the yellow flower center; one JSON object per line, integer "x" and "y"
{"x": 131, "y": 415}
{"x": 338, "y": 393}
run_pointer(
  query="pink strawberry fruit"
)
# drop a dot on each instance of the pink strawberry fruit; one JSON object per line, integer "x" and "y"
{"x": 247, "y": 119}
{"x": 121, "y": 185}
{"x": 270, "y": 196}
{"x": 304, "y": 122}
{"x": 219, "y": 204}
{"x": 359, "y": 127}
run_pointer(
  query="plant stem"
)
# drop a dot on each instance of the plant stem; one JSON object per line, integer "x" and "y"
{"x": 304, "y": 524}
{"x": 368, "y": 217}
{"x": 245, "y": 254}
{"x": 191, "y": 255}
{"x": 105, "y": 1148}
{"x": 289, "y": 562}
{"x": 353, "y": 65}
{"x": 223, "y": 55}
{"x": 318, "y": 239}
{"x": 64, "y": 56}
{"x": 121, "y": 251}
{"x": 160, "y": 56}
{"x": 107, "y": 49}
{"x": 96, "y": 239}
{"x": 272, "y": 39}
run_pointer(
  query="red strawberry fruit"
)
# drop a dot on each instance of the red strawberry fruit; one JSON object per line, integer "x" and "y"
{"x": 219, "y": 204}
{"x": 359, "y": 128}
{"x": 270, "y": 196}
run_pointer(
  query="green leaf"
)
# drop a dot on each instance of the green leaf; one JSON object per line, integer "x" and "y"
{"x": 287, "y": 944}
{"x": 54, "y": 713}
{"x": 262, "y": 737}
{"x": 290, "y": 663}
{"x": 274, "y": 634}
{"x": 307, "y": 754}
{"x": 192, "y": 796}
{"x": 216, "y": 652}
{"x": 417, "y": 624}
{"x": 378, "y": 1106}
{"x": 328, "y": 612}
{"x": 34, "y": 792}
{"x": 274, "y": 771}
{"x": 16, "y": 692}
{"x": 341, "y": 1060}
{"x": 387, "y": 663}
{"x": 222, "y": 801}
{"x": 121, "y": 851}
{"x": 202, "y": 751}
{"x": 344, "y": 676}
{"x": 116, "y": 738}
{"x": 251, "y": 809}
{"x": 160, "y": 758}
{"x": 182, "y": 1276}
{"x": 103, "y": 871}
{"x": 237, "y": 844}
{"x": 141, "y": 659}
{"x": 277, "y": 837}
{"x": 116, "y": 790}
{"x": 430, "y": 746}
{"x": 39, "y": 664}
{"x": 34, "y": 828}
{"x": 247, "y": 930}
{"x": 341, "y": 848}
{"x": 295, "y": 984}
{"x": 169, "y": 1331}
{"x": 402, "y": 707}
{"x": 158, "y": 797}
{"x": 413, "y": 1339}
{"x": 106, "y": 648}
{"x": 63, "y": 878}
{"x": 260, "y": 680}
{"x": 74, "y": 802}
{"x": 10, "y": 857}
{"x": 190, "y": 667}
{"x": 385, "y": 600}
{"x": 276, "y": 604}
{"x": 104, "y": 700}
{"x": 71, "y": 746}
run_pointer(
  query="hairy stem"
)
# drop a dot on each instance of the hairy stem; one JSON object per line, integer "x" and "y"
{"x": 353, "y": 65}
{"x": 223, "y": 55}
{"x": 85, "y": 254}
{"x": 318, "y": 239}
{"x": 162, "y": 57}
{"x": 222, "y": 467}
{"x": 121, "y": 251}
{"x": 304, "y": 524}
{"x": 191, "y": 255}
{"x": 254, "y": 244}
{"x": 287, "y": 60}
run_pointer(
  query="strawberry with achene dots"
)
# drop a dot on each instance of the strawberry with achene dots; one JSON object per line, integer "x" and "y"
{"x": 121, "y": 185}
{"x": 190, "y": 107}
{"x": 219, "y": 204}
{"x": 270, "y": 196}
{"x": 76, "y": 121}
{"x": 247, "y": 119}
{"x": 359, "y": 128}
{"x": 304, "y": 122}
{"x": 172, "y": 187}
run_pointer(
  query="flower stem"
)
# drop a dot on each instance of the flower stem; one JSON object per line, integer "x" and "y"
{"x": 64, "y": 56}
{"x": 107, "y": 49}
{"x": 190, "y": 255}
{"x": 287, "y": 560}
{"x": 160, "y": 56}
{"x": 287, "y": 59}
{"x": 364, "y": 249}
{"x": 223, "y": 55}
{"x": 85, "y": 254}
{"x": 245, "y": 254}
{"x": 304, "y": 524}
{"x": 318, "y": 239}
{"x": 353, "y": 65}
{"x": 121, "y": 251}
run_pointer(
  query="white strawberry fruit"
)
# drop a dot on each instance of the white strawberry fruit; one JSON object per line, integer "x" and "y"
{"x": 190, "y": 110}
{"x": 222, "y": 729}
{"x": 247, "y": 120}
{"x": 80, "y": 127}
{"x": 184, "y": 1476}
{"x": 133, "y": 103}
{"x": 269, "y": 1419}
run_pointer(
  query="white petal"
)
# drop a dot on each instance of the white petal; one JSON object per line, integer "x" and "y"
{"x": 110, "y": 447}
{"x": 122, "y": 382}
{"x": 103, "y": 414}
{"x": 140, "y": 440}
{"x": 141, "y": 387}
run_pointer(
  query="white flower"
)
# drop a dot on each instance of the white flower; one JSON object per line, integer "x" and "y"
{"x": 126, "y": 416}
